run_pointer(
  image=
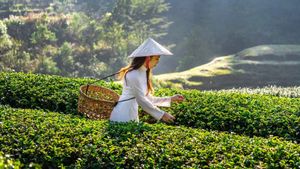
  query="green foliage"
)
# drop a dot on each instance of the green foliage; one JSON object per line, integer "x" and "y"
{"x": 84, "y": 29}
{"x": 95, "y": 8}
{"x": 5, "y": 40}
{"x": 65, "y": 59}
{"x": 53, "y": 46}
{"x": 247, "y": 114}
{"x": 42, "y": 91}
{"x": 130, "y": 23}
{"x": 12, "y": 59}
{"x": 142, "y": 16}
{"x": 46, "y": 65}
{"x": 96, "y": 45}
{"x": 57, "y": 140}
{"x": 7, "y": 162}
{"x": 292, "y": 92}
{"x": 42, "y": 35}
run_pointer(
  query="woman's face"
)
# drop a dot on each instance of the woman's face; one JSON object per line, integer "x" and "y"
{"x": 153, "y": 61}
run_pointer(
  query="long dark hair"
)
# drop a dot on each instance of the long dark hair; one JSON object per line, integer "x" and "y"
{"x": 136, "y": 63}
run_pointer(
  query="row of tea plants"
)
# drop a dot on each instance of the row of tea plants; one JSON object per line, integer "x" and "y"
{"x": 248, "y": 114}
{"x": 55, "y": 140}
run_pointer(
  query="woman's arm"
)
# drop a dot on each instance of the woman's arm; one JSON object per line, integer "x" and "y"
{"x": 165, "y": 101}
{"x": 160, "y": 101}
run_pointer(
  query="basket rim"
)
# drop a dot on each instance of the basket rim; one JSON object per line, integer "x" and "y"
{"x": 82, "y": 93}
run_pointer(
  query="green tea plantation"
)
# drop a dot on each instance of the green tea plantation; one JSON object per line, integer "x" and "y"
{"x": 41, "y": 128}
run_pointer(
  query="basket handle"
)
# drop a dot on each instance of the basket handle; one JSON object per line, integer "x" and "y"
{"x": 87, "y": 87}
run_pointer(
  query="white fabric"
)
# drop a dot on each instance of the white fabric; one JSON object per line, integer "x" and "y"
{"x": 136, "y": 86}
{"x": 150, "y": 48}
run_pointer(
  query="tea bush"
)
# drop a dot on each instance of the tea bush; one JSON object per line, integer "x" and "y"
{"x": 56, "y": 140}
{"x": 248, "y": 114}
{"x": 293, "y": 92}
{"x": 48, "y": 92}
{"x": 7, "y": 162}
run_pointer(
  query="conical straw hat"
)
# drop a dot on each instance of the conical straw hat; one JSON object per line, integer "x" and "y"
{"x": 150, "y": 48}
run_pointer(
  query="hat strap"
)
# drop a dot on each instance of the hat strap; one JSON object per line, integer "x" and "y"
{"x": 148, "y": 62}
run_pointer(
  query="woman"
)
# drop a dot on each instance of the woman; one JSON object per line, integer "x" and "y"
{"x": 137, "y": 86}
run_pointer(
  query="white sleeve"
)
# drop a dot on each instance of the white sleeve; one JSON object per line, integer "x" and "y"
{"x": 143, "y": 101}
{"x": 160, "y": 101}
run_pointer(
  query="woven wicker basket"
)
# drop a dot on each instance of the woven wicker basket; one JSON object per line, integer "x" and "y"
{"x": 97, "y": 102}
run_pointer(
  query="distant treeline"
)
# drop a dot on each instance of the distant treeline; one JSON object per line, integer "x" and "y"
{"x": 73, "y": 42}
{"x": 21, "y": 7}
{"x": 93, "y": 37}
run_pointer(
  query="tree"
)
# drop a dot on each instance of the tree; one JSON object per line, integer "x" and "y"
{"x": 64, "y": 59}
{"x": 131, "y": 22}
{"x": 144, "y": 16}
{"x": 5, "y": 41}
{"x": 75, "y": 44}
{"x": 95, "y": 8}
{"x": 42, "y": 35}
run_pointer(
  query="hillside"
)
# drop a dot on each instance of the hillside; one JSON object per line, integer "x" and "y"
{"x": 253, "y": 67}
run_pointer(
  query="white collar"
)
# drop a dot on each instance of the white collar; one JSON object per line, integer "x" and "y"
{"x": 143, "y": 68}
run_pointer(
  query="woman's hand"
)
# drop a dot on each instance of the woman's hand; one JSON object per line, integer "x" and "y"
{"x": 168, "y": 117}
{"x": 177, "y": 98}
